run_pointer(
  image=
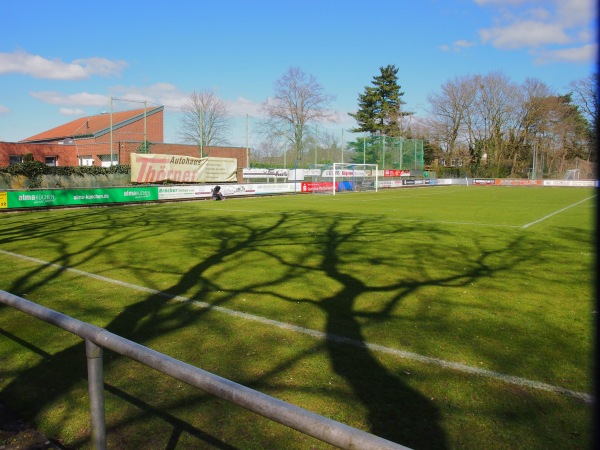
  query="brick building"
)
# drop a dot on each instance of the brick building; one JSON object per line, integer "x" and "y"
{"x": 87, "y": 141}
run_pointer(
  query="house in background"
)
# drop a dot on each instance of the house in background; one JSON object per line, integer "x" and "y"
{"x": 87, "y": 142}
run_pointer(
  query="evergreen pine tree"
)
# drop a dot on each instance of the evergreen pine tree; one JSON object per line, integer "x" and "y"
{"x": 379, "y": 106}
{"x": 368, "y": 111}
{"x": 390, "y": 100}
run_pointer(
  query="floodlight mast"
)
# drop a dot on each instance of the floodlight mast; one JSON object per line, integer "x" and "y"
{"x": 111, "y": 131}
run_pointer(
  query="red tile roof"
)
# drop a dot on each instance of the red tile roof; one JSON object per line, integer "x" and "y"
{"x": 91, "y": 126}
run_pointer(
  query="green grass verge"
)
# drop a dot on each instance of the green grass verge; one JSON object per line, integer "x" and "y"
{"x": 468, "y": 275}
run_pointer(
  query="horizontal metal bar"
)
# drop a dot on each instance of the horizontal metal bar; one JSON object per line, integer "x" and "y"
{"x": 299, "y": 419}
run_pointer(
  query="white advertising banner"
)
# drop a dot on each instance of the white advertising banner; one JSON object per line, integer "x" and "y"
{"x": 345, "y": 173}
{"x": 571, "y": 183}
{"x": 153, "y": 168}
{"x": 234, "y": 190}
{"x": 265, "y": 173}
{"x": 202, "y": 191}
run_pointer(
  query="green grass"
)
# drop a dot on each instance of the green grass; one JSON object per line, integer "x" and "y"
{"x": 448, "y": 273}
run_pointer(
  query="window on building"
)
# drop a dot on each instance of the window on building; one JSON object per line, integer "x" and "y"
{"x": 15, "y": 159}
{"x": 442, "y": 161}
{"x": 87, "y": 160}
{"x": 52, "y": 161}
{"x": 105, "y": 160}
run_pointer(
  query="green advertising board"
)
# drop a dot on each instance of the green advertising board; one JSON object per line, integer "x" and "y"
{"x": 74, "y": 197}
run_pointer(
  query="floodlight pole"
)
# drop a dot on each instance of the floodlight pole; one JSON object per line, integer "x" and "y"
{"x": 415, "y": 156}
{"x": 316, "y": 142}
{"x": 342, "y": 145}
{"x": 401, "y": 153}
{"x": 295, "y": 177}
{"x": 201, "y": 133}
{"x": 247, "y": 148}
{"x": 364, "y": 147}
{"x": 285, "y": 148}
{"x": 485, "y": 155}
{"x": 383, "y": 141}
{"x": 533, "y": 175}
{"x": 111, "y": 130}
{"x": 145, "y": 136}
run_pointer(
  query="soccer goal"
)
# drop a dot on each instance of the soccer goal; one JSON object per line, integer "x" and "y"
{"x": 348, "y": 177}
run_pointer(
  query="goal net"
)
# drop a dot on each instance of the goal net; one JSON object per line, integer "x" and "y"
{"x": 349, "y": 177}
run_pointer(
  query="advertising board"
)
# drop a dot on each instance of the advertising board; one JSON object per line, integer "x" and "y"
{"x": 152, "y": 168}
{"x": 73, "y": 197}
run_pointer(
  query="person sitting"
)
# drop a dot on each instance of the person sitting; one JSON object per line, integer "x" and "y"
{"x": 216, "y": 193}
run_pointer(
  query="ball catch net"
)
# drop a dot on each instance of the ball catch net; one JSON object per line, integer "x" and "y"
{"x": 348, "y": 177}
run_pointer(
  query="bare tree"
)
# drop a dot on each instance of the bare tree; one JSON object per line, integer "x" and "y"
{"x": 268, "y": 152}
{"x": 206, "y": 120}
{"x": 498, "y": 103}
{"x": 449, "y": 111}
{"x": 526, "y": 139}
{"x": 298, "y": 101}
{"x": 586, "y": 97}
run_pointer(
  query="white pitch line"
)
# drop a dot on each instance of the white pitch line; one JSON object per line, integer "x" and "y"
{"x": 523, "y": 382}
{"x": 446, "y": 222}
{"x": 527, "y": 225}
{"x": 389, "y": 219}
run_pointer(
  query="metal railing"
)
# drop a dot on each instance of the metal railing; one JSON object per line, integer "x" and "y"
{"x": 96, "y": 339}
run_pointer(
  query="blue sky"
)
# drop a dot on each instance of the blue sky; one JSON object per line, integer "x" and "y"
{"x": 60, "y": 60}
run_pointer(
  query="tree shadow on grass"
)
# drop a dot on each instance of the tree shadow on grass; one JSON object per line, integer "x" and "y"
{"x": 139, "y": 322}
{"x": 395, "y": 410}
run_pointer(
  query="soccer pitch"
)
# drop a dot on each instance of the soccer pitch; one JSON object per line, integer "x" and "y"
{"x": 446, "y": 317}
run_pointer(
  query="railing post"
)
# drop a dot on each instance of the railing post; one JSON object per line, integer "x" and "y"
{"x": 311, "y": 424}
{"x": 96, "y": 391}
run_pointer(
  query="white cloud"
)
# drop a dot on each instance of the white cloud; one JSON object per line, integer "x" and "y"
{"x": 584, "y": 54}
{"x": 242, "y": 106}
{"x": 54, "y": 69}
{"x": 501, "y": 2}
{"x": 170, "y": 96}
{"x": 72, "y": 111}
{"x": 127, "y": 97}
{"x": 124, "y": 97}
{"x": 575, "y": 12}
{"x": 463, "y": 44}
{"x": 81, "y": 99}
{"x": 3, "y": 109}
{"x": 165, "y": 94}
{"x": 542, "y": 27}
{"x": 341, "y": 118}
{"x": 539, "y": 14}
{"x": 524, "y": 34}
{"x": 457, "y": 46}
{"x": 101, "y": 66}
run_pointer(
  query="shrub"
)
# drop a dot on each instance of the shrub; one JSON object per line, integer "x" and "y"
{"x": 34, "y": 170}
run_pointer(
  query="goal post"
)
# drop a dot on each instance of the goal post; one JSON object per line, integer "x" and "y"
{"x": 349, "y": 177}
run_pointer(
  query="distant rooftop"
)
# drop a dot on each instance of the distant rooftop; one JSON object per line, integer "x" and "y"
{"x": 91, "y": 126}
